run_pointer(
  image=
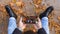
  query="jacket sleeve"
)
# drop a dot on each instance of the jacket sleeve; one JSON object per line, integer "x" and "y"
{"x": 41, "y": 31}
{"x": 17, "y": 31}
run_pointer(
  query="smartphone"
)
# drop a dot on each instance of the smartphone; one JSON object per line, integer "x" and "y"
{"x": 30, "y": 19}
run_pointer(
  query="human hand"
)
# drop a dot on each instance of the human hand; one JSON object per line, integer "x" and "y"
{"x": 21, "y": 25}
{"x": 38, "y": 24}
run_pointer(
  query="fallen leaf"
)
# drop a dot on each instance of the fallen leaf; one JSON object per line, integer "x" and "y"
{"x": 11, "y": 4}
{"x": 37, "y": 1}
{"x": 20, "y": 4}
{"x": 58, "y": 18}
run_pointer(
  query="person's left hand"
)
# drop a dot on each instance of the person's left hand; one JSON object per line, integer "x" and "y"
{"x": 21, "y": 25}
{"x": 38, "y": 24}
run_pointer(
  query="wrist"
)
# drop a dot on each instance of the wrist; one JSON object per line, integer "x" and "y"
{"x": 20, "y": 29}
{"x": 39, "y": 28}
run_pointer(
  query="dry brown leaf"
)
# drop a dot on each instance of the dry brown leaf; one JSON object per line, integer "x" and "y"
{"x": 36, "y": 5}
{"x": 14, "y": 1}
{"x": 20, "y": 4}
{"x": 20, "y": 11}
{"x": 58, "y": 18}
{"x": 37, "y": 1}
{"x": 11, "y": 4}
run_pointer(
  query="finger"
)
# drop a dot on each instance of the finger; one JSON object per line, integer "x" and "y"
{"x": 21, "y": 23}
{"x": 39, "y": 19}
{"x": 35, "y": 25}
{"x": 36, "y": 22}
{"x": 24, "y": 26}
{"x": 21, "y": 19}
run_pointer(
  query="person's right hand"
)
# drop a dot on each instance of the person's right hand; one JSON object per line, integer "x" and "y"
{"x": 21, "y": 25}
{"x": 38, "y": 24}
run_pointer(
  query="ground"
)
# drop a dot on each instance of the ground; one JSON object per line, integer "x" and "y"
{"x": 29, "y": 7}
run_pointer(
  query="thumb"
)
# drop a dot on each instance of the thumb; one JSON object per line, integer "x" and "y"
{"x": 39, "y": 19}
{"x": 21, "y": 21}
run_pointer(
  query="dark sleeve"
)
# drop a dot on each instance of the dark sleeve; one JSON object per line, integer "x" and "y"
{"x": 41, "y": 31}
{"x": 17, "y": 31}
